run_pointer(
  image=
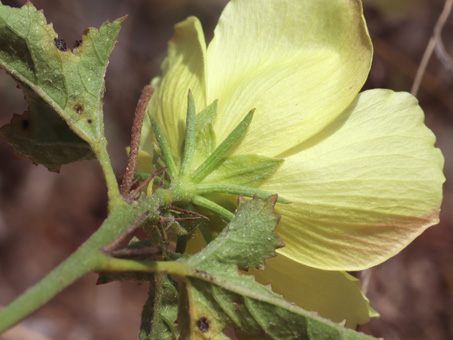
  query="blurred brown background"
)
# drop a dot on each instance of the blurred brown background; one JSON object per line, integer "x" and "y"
{"x": 45, "y": 216}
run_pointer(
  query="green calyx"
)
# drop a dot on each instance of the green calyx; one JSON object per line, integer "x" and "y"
{"x": 205, "y": 169}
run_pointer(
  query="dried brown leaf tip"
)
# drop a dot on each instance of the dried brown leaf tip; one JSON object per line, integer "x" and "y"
{"x": 60, "y": 44}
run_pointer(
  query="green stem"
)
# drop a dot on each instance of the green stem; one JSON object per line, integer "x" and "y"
{"x": 113, "y": 191}
{"x": 111, "y": 264}
{"x": 214, "y": 207}
{"x": 159, "y": 310}
{"x": 150, "y": 307}
{"x": 141, "y": 176}
{"x": 206, "y": 188}
{"x": 85, "y": 259}
{"x": 78, "y": 264}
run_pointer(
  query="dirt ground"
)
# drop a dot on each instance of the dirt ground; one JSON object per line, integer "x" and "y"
{"x": 45, "y": 216}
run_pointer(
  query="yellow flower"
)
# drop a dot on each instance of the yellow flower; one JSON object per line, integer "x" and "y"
{"x": 360, "y": 169}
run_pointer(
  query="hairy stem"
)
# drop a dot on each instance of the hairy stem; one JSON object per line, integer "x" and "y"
{"x": 135, "y": 138}
{"x": 113, "y": 191}
{"x": 87, "y": 258}
{"x": 111, "y": 264}
{"x": 150, "y": 313}
{"x": 214, "y": 207}
{"x": 78, "y": 264}
{"x": 236, "y": 190}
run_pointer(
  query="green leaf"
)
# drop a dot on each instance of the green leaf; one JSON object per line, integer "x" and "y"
{"x": 246, "y": 241}
{"x": 216, "y": 156}
{"x": 190, "y": 137}
{"x": 215, "y": 301}
{"x": 215, "y": 296}
{"x": 41, "y": 137}
{"x": 164, "y": 148}
{"x": 163, "y": 297}
{"x": 60, "y": 85}
{"x": 247, "y": 170}
{"x": 205, "y": 132}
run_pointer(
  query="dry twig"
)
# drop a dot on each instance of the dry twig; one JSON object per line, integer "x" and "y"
{"x": 130, "y": 197}
{"x": 190, "y": 212}
{"x": 435, "y": 42}
{"x": 135, "y": 138}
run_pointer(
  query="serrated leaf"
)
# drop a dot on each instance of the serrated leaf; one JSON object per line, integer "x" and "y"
{"x": 215, "y": 296}
{"x": 215, "y": 301}
{"x": 41, "y": 137}
{"x": 246, "y": 241}
{"x": 60, "y": 85}
{"x": 243, "y": 170}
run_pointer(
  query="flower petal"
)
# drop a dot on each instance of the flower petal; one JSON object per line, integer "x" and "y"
{"x": 144, "y": 162}
{"x": 183, "y": 69}
{"x": 335, "y": 295}
{"x": 299, "y": 63}
{"x": 363, "y": 188}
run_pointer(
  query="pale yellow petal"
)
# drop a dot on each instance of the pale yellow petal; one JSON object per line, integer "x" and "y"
{"x": 183, "y": 69}
{"x": 335, "y": 295}
{"x": 299, "y": 63}
{"x": 362, "y": 189}
{"x": 144, "y": 162}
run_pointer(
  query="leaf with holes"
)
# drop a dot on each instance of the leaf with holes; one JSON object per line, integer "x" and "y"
{"x": 64, "y": 88}
{"x": 213, "y": 302}
{"x": 215, "y": 296}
